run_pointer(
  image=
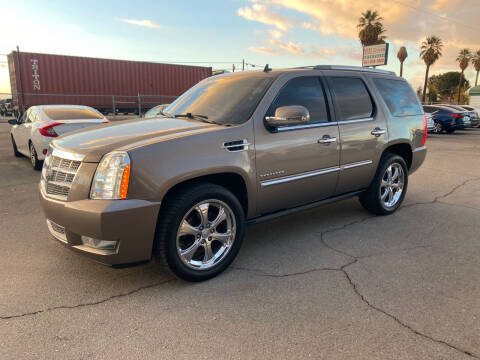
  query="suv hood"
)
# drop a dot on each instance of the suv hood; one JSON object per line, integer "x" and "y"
{"x": 96, "y": 141}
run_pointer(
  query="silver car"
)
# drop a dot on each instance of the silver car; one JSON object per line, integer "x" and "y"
{"x": 430, "y": 122}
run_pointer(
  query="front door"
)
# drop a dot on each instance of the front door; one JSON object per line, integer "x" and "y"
{"x": 362, "y": 126}
{"x": 22, "y": 133}
{"x": 297, "y": 164}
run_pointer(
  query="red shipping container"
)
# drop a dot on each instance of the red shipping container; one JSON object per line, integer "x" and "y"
{"x": 43, "y": 79}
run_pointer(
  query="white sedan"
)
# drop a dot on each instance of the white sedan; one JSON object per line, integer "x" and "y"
{"x": 32, "y": 134}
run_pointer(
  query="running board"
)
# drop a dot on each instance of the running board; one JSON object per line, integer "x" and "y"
{"x": 315, "y": 204}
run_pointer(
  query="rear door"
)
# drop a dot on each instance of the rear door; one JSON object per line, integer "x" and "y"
{"x": 296, "y": 164}
{"x": 362, "y": 126}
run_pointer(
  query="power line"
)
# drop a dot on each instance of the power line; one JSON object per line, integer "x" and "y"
{"x": 436, "y": 15}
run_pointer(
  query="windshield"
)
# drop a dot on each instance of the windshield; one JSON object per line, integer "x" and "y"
{"x": 224, "y": 99}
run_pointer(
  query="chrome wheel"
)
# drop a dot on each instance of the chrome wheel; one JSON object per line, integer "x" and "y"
{"x": 438, "y": 128}
{"x": 391, "y": 187}
{"x": 206, "y": 234}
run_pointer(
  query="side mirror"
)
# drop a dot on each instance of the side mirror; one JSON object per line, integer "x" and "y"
{"x": 289, "y": 115}
{"x": 13, "y": 122}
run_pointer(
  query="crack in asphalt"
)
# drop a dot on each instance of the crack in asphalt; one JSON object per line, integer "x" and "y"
{"x": 355, "y": 259}
{"x": 353, "y": 285}
{"x": 59, "y": 307}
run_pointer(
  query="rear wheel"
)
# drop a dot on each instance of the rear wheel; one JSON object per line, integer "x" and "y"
{"x": 450, "y": 131}
{"x": 387, "y": 190}
{"x": 438, "y": 128}
{"x": 200, "y": 232}
{"x": 15, "y": 150}
{"x": 37, "y": 164}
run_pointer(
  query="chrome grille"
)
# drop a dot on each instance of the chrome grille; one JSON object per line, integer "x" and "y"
{"x": 57, "y": 230}
{"x": 58, "y": 175}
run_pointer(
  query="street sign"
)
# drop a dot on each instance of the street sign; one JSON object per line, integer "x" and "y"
{"x": 375, "y": 55}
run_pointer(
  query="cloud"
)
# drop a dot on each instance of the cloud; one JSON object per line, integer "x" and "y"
{"x": 276, "y": 34}
{"x": 261, "y": 13}
{"x": 263, "y": 50}
{"x": 142, "y": 23}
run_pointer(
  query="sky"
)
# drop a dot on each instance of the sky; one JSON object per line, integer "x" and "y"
{"x": 282, "y": 33}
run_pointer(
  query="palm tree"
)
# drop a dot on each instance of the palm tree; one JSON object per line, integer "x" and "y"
{"x": 371, "y": 28}
{"x": 430, "y": 51}
{"x": 463, "y": 60}
{"x": 402, "y": 55}
{"x": 476, "y": 64}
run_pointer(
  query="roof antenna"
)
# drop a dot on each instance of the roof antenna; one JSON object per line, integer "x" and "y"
{"x": 266, "y": 68}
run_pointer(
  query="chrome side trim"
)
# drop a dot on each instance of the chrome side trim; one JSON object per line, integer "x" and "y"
{"x": 299, "y": 176}
{"x": 356, "y": 164}
{"x": 305, "y": 175}
{"x": 67, "y": 155}
{"x": 421, "y": 148}
{"x": 341, "y": 122}
{"x": 306, "y": 126}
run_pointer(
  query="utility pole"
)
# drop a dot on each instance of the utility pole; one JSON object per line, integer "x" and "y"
{"x": 233, "y": 67}
{"x": 243, "y": 64}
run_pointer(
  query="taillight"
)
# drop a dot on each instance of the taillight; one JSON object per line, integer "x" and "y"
{"x": 456, "y": 116}
{"x": 424, "y": 130}
{"x": 106, "y": 122}
{"x": 48, "y": 130}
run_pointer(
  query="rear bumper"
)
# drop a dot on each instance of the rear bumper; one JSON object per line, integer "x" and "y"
{"x": 418, "y": 157}
{"x": 131, "y": 223}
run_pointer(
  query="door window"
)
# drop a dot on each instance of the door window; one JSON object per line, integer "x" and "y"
{"x": 304, "y": 91}
{"x": 352, "y": 97}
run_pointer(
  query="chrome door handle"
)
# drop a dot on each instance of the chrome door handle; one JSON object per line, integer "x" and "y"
{"x": 326, "y": 140}
{"x": 377, "y": 132}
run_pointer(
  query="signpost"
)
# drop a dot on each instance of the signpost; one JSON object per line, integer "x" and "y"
{"x": 375, "y": 55}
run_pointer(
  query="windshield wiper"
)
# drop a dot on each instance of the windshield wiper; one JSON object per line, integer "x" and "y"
{"x": 191, "y": 116}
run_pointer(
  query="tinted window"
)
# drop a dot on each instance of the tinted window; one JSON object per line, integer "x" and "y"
{"x": 399, "y": 97}
{"x": 428, "y": 109}
{"x": 71, "y": 114}
{"x": 225, "y": 99}
{"x": 352, "y": 98}
{"x": 305, "y": 91}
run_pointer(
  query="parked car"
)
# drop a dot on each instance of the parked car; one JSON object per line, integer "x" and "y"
{"x": 6, "y": 107}
{"x": 33, "y": 132}
{"x": 235, "y": 148}
{"x": 445, "y": 118}
{"x": 467, "y": 122}
{"x": 430, "y": 122}
{"x": 473, "y": 112}
{"x": 155, "y": 111}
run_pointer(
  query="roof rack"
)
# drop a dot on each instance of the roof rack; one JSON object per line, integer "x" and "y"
{"x": 345, "y": 67}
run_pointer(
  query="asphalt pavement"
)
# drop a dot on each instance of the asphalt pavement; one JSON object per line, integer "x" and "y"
{"x": 330, "y": 283}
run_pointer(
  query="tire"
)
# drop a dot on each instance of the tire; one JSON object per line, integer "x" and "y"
{"x": 450, "y": 131}
{"x": 438, "y": 128}
{"x": 16, "y": 153}
{"x": 181, "y": 209}
{"x": 37, "y": 164}
{"x": 373, "y": 198}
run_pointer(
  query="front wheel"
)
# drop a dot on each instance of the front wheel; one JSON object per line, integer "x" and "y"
{"x": 15, "y": 149}
{"x": 387, "y": 190}
{"x": 200, "y": 232}
{"x": 37, "y": 164}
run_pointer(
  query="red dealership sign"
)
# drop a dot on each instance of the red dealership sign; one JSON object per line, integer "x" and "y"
{"x": 375, "y": 55}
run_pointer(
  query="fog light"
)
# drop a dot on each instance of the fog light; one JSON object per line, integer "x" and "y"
{"x": 99, "y": 244}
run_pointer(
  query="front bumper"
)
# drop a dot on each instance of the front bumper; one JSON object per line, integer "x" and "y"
{"x": 130, "y": 222}
{"x": 418, "y": 157}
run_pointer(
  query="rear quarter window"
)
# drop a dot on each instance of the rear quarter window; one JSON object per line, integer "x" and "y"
{"x": 401, "y": 100}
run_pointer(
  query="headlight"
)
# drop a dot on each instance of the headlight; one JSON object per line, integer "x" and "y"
{"x": 111, "y": 177}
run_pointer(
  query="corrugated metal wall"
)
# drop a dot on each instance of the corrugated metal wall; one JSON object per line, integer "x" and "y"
{"x": 46, "y": 79}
